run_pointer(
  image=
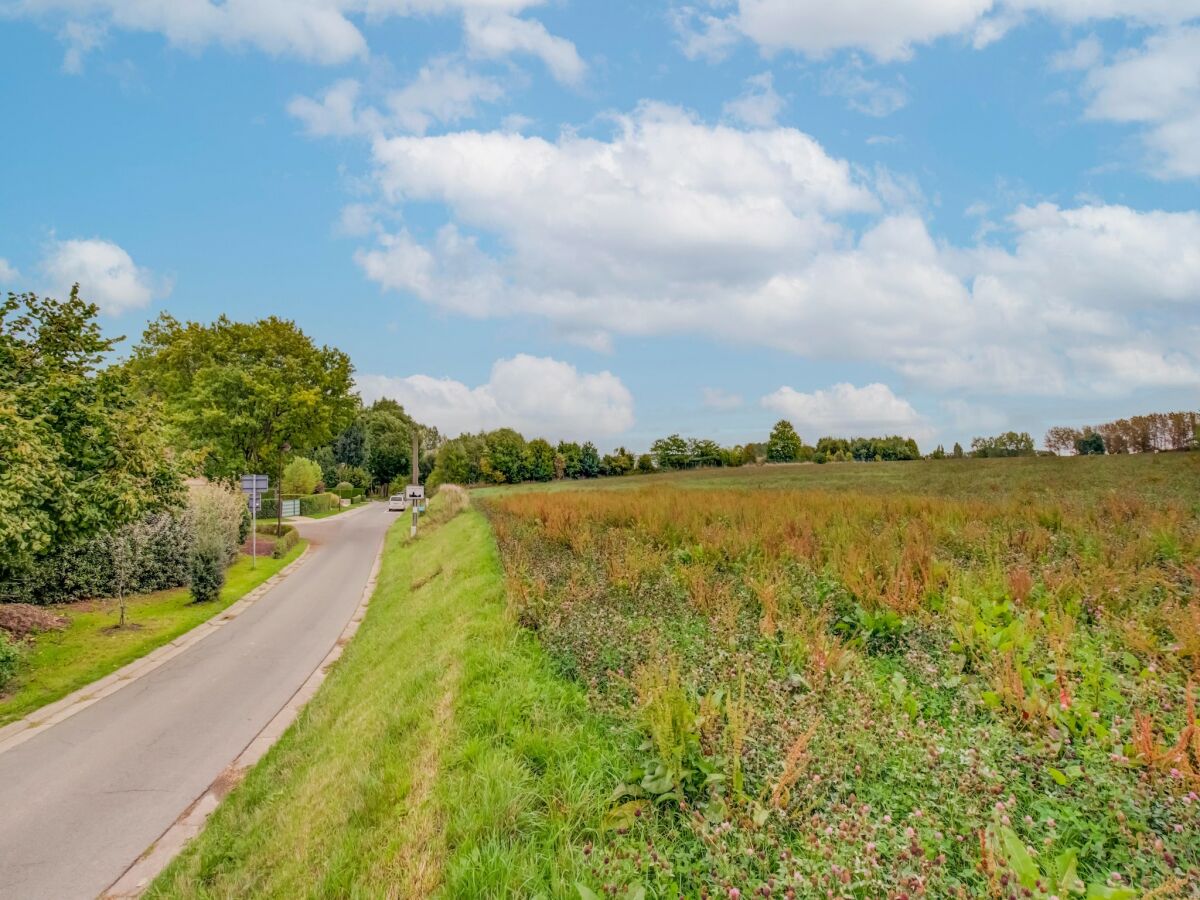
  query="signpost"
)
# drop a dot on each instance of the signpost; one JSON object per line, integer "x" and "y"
{"x": 254, "y": 486}
{"x": 414, "y": 491}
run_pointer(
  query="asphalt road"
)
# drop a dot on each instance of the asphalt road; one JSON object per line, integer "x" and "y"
{"x": 81, "y": 801}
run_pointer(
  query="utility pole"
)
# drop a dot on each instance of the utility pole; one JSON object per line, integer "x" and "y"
{"x": 416, "y": 479}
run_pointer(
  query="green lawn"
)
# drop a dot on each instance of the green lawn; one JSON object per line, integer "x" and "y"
{"x": 441, "y": 758}
{"x": 329, "y": 512}
{"x": 60, "y": 662}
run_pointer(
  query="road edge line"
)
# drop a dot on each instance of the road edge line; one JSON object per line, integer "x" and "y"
{"x": 133, "y": 881}
{"x": 29, "y": 726}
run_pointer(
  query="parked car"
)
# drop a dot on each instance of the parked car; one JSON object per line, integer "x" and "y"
{"x": 397, "y": 503}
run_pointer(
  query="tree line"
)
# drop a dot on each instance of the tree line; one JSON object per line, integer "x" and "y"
{"x": 1152, "y": 433}
{"x": 93, "y": 447}
{"x": 504, "y": 456}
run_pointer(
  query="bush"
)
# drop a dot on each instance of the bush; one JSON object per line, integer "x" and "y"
{"x": 285, "y": 538}
{"x": 319, "y": 503}
{"x": 347, "y": 491}
{"x": 10, "y": 658}
{"x": 162, "y": 556}
{"x": 208, "y": 570}
{"x": 300, "y": 476}
{"x": 216, "y": 514}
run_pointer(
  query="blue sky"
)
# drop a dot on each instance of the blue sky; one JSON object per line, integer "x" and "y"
{"x": 614, "y": 220}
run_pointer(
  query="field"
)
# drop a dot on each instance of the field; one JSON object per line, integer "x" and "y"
{"x": 944, "y": 679}
{"x": 963, "y": 679}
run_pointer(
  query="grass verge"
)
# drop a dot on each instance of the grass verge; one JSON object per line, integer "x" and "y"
{"x": 59, "y": 662}
{"x": 442, "y": 757}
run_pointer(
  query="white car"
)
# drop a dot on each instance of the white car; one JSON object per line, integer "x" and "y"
{"x": 397, "y": 503}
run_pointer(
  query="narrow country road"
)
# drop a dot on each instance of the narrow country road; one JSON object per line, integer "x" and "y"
{"x": 81, "y": 801}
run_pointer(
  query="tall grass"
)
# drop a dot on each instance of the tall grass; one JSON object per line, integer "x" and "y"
{"x": 874, "y": 670}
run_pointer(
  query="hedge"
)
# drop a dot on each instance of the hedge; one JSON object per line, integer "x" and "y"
{"x": 10, "y": 658}
{"x": 285, "y": 540}
{"x": 162, "y": 560}
{"x": 309, "y": 505}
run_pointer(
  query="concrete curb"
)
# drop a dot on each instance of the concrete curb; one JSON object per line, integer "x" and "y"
{"x": 18, "y": 732}
{"x": 158, "y": 855}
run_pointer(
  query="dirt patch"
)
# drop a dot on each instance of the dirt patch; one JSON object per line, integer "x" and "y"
{"x": 20, "y": 620}
{"x": 128, "y": 626}
{"x": 421, "y": 582}
{"x": 266, "y": 546}
{"x": 227, "y": 781}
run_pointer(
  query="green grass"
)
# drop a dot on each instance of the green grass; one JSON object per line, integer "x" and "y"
{"x": 325, "y": 514}
{"x": 441, "y": 758}
{"x": 1166, "y": 476}
{"x": 60, "y": 662}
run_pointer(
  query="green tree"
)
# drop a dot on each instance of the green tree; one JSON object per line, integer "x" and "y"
{"x": 504, "y": 460}
{"x": 457, "y": 462}
{"x": 388, "y": 447}
{"x": 704, "y": 452}
{"x": 1090, "y": 443}
{"x": 645, "y": 464}
{"x": 355, "y": 475}
{"x": 958, "y": 451}
{"x": 243, "y": 394}
{"x": 619, "y": 462}
{"x": 671, "y": 452}
{"x": 78, "y": 455}
{"x": 1008, "y": 444}
{"x": 323, "y": 457}
{"x": 539, "y": 460}
{"x": 351, "y": 445}
{"x": 570, "y": 453}
{"x": 784, "y": 445}
{"x": 589, "y": 461}
{"x": 300, "y": 476}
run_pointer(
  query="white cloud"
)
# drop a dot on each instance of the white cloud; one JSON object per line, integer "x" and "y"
{"x": 672, "y": 226}
{"x": 890, "y": 30}
{"x": 443, "y": 92}
{"x": 1083, "y": 55}
{"x": 975, "y": 417}
{"x": 106, "y": 274}
{"x": 316, "y": 30}
{"x": 759, "y": 106}
{"x": 718, "y": 398}
{"x": 1156, "y": 86}
{"x": 8, "y": 272}
{"x": 81, "y": 38}
{"x": 887, "y": 29}
{"x": 863, "y": 94}
{"x": 848, "y": 411}
{"x": 492, "y": 35}
{"x": 537, "y": 396}
{"x": 320, "y": 31}
{"x": 335, "y": 114}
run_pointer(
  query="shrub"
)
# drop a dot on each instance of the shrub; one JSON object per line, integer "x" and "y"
{"x": 319, "y": 503}
{"x": 216, "y": 514}
{"x": 208, "y": 569}
{"x": 300, "y": 476}
{"x": 285, "y": 538}
{"x": 10, "y": 658}
{"x": 162, "y": 554}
